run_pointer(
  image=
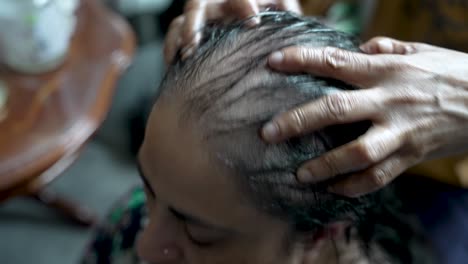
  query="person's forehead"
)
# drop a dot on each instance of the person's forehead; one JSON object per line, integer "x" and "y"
{"x": 182, "y": 173}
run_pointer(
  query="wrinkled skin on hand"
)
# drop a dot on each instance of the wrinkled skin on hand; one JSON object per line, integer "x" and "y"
{"x": 415, "y": 94}
{"x": 185, "y": 31}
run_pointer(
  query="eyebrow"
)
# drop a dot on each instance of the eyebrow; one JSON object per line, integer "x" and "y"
{"x": 177, "y": 213}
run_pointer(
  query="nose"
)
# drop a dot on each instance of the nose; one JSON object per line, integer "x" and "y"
{"x": 159, "y": 242}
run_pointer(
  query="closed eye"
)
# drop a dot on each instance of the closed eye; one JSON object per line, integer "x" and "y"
{"x": 205, "y": 237}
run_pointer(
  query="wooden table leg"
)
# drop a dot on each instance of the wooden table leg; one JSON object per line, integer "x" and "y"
{"x": 78, "y": 214}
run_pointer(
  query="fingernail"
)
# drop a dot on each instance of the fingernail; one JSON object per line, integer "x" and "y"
{"x": 276, "y": 58}
{"x": 271, "y": 131}
{"x": 253, "y": 22}
{"x": 304, "y": 175}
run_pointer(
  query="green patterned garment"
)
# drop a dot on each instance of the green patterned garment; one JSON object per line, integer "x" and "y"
{"x": 114, "y": 242}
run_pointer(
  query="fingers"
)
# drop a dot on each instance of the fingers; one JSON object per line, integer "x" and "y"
{"x": 371, "y": 148}
{"x": 290, "y": 5}
{"x": 244, "y": 9}
{"x": 337, "y": 108}
{"x": 351, "y": 67}
{"x": 197, "y": 12}
{"x": 188, "y": 34}
{"x": 373, "y": 178}
{"x": 194, "y": 21}
{"x": 383, "y": 45}
{"x": 172, "y": 41}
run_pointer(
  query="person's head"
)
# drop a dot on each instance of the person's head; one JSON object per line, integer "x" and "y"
{"x": 216, "y": 192}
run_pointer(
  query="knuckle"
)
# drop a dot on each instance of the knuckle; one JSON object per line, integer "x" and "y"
{"x": 329, "y": 162}
{"x": 335, "y": 59}
{"x": 414, "y": 147}
{"x": 409, "y": 48}
{"x": 380, "y": 177}
{"x": 337, "y": 106}
{"x": 304, "y": 56}
{"x": 366, "y": 153}
{"x": 418, "y": 152}
{"x": 299, "y": 121}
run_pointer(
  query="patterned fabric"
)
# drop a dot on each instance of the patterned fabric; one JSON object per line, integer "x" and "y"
{"x": 116, "y": 237}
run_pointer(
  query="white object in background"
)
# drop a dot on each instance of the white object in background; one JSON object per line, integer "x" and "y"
{"x": 35, "y": 34}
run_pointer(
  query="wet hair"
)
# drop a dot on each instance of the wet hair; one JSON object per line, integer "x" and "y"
{"x": 229, "y": 92}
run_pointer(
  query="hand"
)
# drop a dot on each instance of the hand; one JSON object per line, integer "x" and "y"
{"x": 185, "y": 31}
{"x": 415, "y": 94}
